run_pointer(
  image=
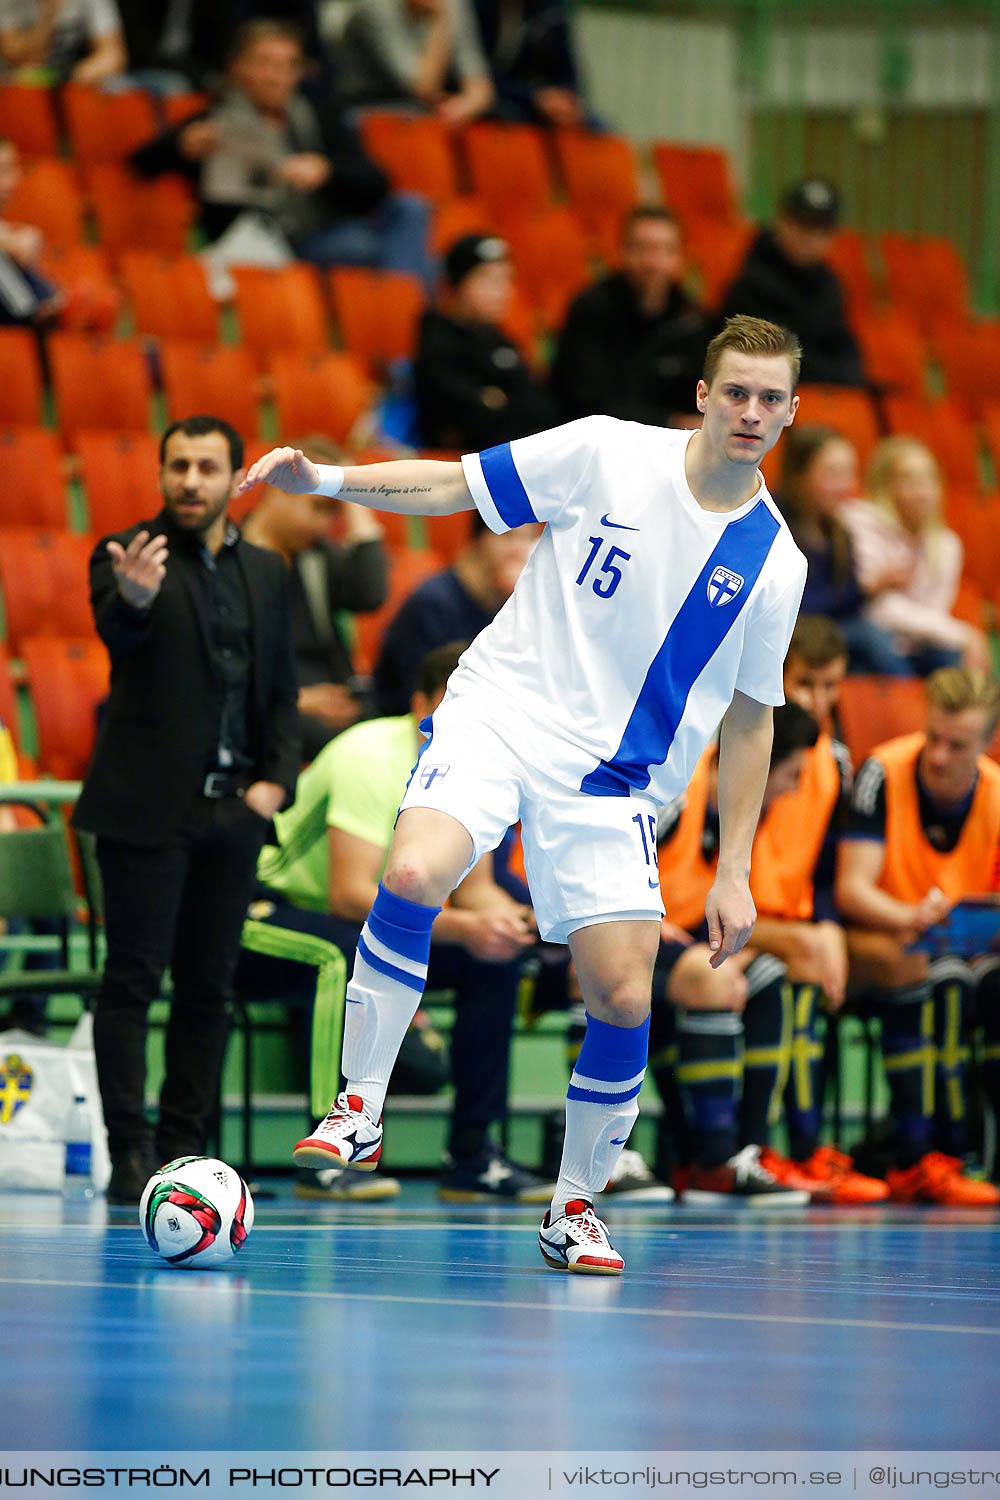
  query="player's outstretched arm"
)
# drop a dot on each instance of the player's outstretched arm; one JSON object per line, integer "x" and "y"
{"x": 408, "y": 486}
{"x": 744, "y": 759}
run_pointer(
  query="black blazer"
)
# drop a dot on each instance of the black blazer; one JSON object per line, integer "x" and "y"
{"x": 156, "y": 741}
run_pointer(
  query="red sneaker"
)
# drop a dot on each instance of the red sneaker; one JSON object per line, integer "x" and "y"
{"x": 835, "y": 1170}
{"x": 937, "y": 1178}
{"x": 791, "y": 1175}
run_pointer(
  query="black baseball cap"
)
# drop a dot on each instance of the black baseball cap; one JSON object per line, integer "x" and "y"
{"x": 473, "y": 250}
{"x": 814, "y": 203}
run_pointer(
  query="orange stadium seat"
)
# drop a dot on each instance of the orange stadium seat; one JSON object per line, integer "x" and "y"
{"x": 550, "y": 255}
{"x": 33, "y": 491}
{"x": 45, "y": 584}
{"x": 849, "y": 412}
{"x": 458, "y": 217}
{"x": 49, "y": 196}
{"x": 718, "y": 253}
{"x": 415, "y": 152}
{"x": 508, "y": 169}
{"x": 136, "y": 215}
{"x": 21, "y": 393}
{"x": 222, "y": 380}
{"x": 872, "y": 710}
{"x": 99, "y": 383}
{"x": 378, "y": 313}
{"x": 602, "y": 181}
{"x": 697, "y": 183}
{"x": 28, "y": 118}
{"x": 170, "y": 296}
{"x": 447, "y": 535}
{"x": 892, "y": 350}
{"x": 68, "y": 679}
{"x": 407, "y": 568}
{"x": 106, "y": 127}
{"x": 848, "y": 257}
{"x": 93, "y": 297}
{"x": 319, "y": 393}
{"x": 946, "y": 430}
{"x": 970, "y": 360}
{"x": 926, "y": 277}
{"x": 396, "y": 528}
{"x": 280, "y": 308}
{"x": 180, "y": 107}
{"x": 119, "y": 472}
{"x": 975, "y": 518}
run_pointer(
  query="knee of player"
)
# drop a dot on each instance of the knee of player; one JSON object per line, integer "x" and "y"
{"x": 623, "y": 1003}
{"x": 409, "y": 877}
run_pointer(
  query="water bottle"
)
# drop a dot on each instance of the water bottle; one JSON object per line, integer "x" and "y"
{"x": 78, "y": 1139}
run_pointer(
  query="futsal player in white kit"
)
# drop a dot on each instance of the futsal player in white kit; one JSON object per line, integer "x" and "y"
{"x": 658, "y": 603}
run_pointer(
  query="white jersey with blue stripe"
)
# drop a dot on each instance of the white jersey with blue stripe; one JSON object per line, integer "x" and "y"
{"x": 638, "y": 614}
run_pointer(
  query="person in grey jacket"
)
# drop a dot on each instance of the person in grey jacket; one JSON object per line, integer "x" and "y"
{"x": 263, "y": 149}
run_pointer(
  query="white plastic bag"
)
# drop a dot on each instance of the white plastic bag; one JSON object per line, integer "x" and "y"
{"x": 39, "y": 1081}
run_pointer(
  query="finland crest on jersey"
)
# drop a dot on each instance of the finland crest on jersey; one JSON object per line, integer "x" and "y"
{"x": 723, "y": 586}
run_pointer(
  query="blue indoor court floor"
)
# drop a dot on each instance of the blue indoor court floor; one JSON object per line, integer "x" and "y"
{"x": 412, "y": 1325}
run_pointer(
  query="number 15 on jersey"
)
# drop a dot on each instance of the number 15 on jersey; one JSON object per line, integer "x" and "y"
{"x": 609, "y": 574}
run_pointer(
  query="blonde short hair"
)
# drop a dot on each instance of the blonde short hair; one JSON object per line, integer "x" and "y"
{"x": 746, "y": 335}
{"x": 955, "y": 689}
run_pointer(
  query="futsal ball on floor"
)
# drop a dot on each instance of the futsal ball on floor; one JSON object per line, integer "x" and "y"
{"x": 196, "y": 1211}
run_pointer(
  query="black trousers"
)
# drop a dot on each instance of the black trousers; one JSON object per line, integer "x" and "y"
{"x": 485, "y": 1004}
{"x": 180, "y": 904}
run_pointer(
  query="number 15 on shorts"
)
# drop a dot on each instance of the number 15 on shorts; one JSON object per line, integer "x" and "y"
{"x": 644, "y": 821}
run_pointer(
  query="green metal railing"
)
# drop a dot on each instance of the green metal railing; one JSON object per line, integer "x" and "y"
{"x": 896, "y": 100}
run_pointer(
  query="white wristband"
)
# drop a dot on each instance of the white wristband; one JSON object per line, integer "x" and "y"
{"x": 331, "y": 480}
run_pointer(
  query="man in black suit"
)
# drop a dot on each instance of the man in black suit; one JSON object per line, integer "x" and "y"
{"x": 197, "y": 752}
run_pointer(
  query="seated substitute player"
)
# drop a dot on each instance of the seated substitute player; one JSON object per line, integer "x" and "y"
{"x": 659, "y": 601}
{"x": 924, "y": 833}
{"x": 797, "y": 915}
{"x": 732, "y": 1062}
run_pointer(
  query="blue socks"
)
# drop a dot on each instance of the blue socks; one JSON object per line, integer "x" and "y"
{"x": 601, "y": 1107}
{"x": 390, "y": 971}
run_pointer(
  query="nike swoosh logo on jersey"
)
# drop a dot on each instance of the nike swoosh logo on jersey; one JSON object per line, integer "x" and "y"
{"x": 654, "y": 885}
{"x": 617, "y": 525}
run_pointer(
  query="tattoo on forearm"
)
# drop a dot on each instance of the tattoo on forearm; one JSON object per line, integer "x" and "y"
{"x": 386, "y": 490}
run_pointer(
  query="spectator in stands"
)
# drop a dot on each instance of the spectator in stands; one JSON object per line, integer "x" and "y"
{"x": 819, "y": 476}
{"x": 424, "y": 54}
{"x": 924, "y": 834}
{"x": 633, "y": 343}
{"x": 322, "y": 878}
{"x": 197, "y": 751}
{"x": 473, "y": 388}
{"x": 27, "y": 297}
{"x": 174, "y": 46}
{"x": 70, "y": 40}
{"x": 786, "y": 279}
{"x": 269, "y": 170}
{"x": 455, "y": 604}
{"x": 529, "y": 46}
{"x": 909, "y": 563}
{"x": 797, "y": 919}
{"x": 327, "y": 578}
{"x": 731, "y": 1066}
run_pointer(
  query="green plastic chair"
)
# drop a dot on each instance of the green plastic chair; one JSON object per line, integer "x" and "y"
{"x": 36, "y": 883}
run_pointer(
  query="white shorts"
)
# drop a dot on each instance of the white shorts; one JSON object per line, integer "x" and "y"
{"x": 588, "y": 859}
